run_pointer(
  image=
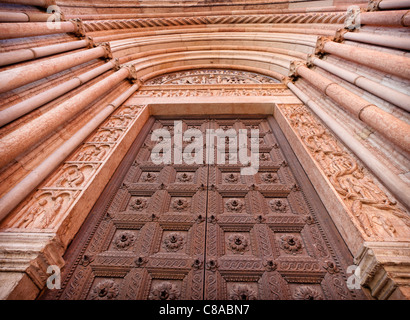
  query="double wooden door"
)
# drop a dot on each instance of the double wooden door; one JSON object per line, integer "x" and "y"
{"x": 205, "y": 231}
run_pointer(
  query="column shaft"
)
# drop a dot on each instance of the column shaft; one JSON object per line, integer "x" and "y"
{"x": 399, "y": 18}
{"x": 19, "y": 109}
{"x": 398, "y": 98}
{"x": 380, "y": 40}
{"x": 17, "y": 77}
{"x": 31, "y": 29}
{"x": 394, "y": 4}
{"x": 386, "y": 124}
{"x": 389, "y": 63}
{"x": 38, "y": 3}
{"x": 29, "y": 134}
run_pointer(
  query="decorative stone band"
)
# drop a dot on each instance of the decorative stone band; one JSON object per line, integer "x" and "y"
{"x": 306, "y": 18}
{"x": 211, "y": 92}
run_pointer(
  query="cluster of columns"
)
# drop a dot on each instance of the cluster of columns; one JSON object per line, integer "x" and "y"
{"x": 32, "y": 132}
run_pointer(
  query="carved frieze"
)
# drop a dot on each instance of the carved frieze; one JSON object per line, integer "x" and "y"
{"x": 377, "y": 215}
{"x": 199, "y": 92}
{"x": 289, "y": 18}
{"x": 48, "y": 205}
{"x": 211, "y": 76}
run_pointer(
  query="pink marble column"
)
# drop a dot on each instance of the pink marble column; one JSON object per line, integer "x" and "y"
{"x": 380, "y": 40}
{"x": 399, "y": 18}
{"x": 8, "y": 16}
{"x": 15, "y": 111}
{"x": 38, "y": 3}
{"x": 393, "y": 4}
{"x": 386, "y": 124}
{"x": 396, "y": 97}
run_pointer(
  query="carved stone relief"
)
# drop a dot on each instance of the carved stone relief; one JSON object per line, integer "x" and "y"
{"x": 378, "y": 216}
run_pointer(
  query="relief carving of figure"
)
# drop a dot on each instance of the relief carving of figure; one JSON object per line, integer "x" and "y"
{"x": 96, "y": 153}
{"x": 72, "y": 177}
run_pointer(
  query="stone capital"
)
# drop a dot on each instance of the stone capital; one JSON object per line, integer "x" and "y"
{"x": 107, "y": 48}
{"x": 352, "y": 20}
{"x": 286, "y": 80}
{"x": 321, "y": 41}
{"x": 80, "y": 29}
{"x": 132, "y": 73}
{"x": 339, "y": 35}
{"x": 117, "y": 65}
{"x": 294, "y": 65}
{"x": 373, "y": 5}
{"x": 90, "y": 42}
{"x": 384, "y": 269}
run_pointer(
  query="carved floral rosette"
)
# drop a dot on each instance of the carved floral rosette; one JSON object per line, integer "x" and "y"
{"x": 180, "y": 204}
{"x": 139, "y": 204}
{"x": 174, "y": 242}
{"x": 165, "y": 291}
{"x": 291, "y": 244}
{"x": 234, "y": 205}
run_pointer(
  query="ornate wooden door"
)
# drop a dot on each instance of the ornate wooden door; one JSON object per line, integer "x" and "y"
{"x": 204, "y": 231}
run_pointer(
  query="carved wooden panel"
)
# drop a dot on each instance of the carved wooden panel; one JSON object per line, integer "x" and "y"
{"x": 206, "y": 231}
